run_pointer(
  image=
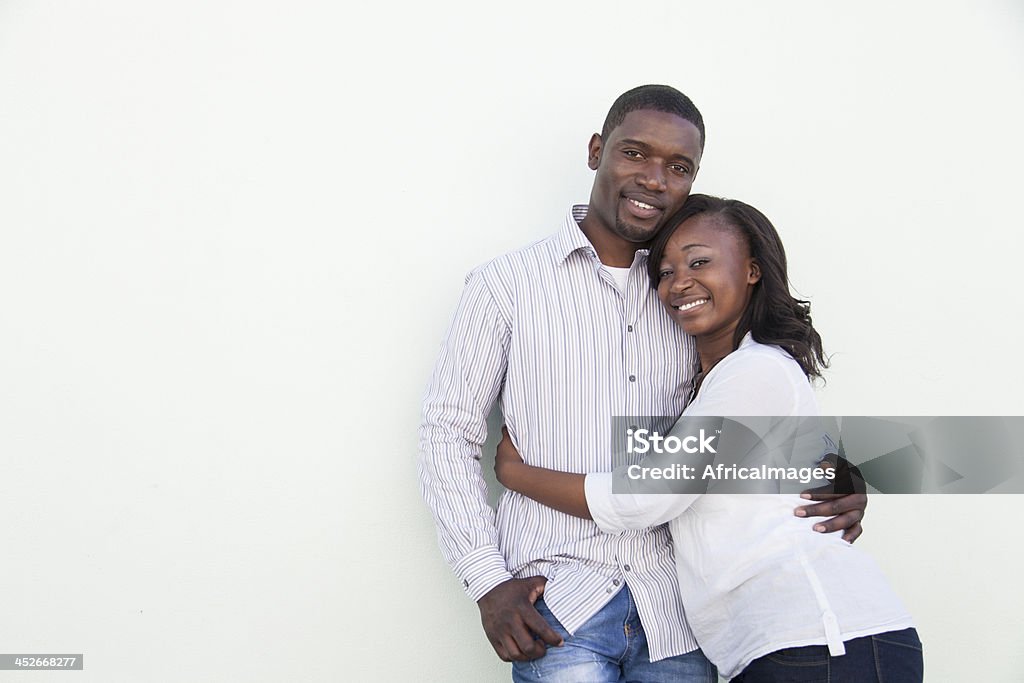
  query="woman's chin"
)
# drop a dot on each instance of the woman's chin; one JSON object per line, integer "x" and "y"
{"x": 691, "y": 324}
{"x": 691, "y": 328}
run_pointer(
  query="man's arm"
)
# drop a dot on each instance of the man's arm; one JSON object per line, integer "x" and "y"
{"x": 466, "y": 381}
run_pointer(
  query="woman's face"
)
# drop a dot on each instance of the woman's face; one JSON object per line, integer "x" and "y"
{"x": 707, "y": 276}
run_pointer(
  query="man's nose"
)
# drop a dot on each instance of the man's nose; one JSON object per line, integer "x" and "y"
{"x": 652, "y": 177}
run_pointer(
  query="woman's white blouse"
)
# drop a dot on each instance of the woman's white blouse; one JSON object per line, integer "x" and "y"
{"x": 754, "y": 577}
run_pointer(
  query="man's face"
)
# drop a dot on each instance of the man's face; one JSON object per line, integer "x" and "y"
{"x": 644, "y": 172}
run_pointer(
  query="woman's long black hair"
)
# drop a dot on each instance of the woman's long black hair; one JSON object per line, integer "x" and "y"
{"x": 773, "y": 316}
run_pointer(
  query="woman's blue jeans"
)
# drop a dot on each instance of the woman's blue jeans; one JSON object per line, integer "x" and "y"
{"x": 893, "y": 657}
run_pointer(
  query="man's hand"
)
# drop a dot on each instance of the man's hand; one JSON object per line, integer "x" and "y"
{"x": 844, "y": 500}
{"x": 513, "y": 624}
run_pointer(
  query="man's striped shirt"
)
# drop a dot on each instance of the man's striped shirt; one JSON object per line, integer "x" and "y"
{"x": 546, "y": 331}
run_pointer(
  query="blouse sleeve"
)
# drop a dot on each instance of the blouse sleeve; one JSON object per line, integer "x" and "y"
{"x": 617, "y": 512}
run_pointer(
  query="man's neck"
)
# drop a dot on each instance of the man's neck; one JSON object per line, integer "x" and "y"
{"x": 611, "y": 249}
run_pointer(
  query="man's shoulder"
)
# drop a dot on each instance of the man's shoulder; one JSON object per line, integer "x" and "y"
{"x": 520, "y": 262}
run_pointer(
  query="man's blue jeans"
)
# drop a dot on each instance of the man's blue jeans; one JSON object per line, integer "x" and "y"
{"x": 610, "y": 648}
{"x": 893, "y": 657}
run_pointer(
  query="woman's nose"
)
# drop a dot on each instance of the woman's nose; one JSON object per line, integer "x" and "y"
{"x": 680, "y": 283}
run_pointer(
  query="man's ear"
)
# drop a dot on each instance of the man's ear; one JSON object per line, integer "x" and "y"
{"x": 755, "y": 272}
{"x": 594, "y": 151}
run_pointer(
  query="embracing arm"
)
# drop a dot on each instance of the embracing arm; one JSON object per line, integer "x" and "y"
{"x": 562, "y": 491}
{"x": 751, "y": 389}
{"x": 588, "y": 496}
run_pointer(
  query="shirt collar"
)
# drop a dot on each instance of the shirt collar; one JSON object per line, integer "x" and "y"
{"x": 570, "y": 237}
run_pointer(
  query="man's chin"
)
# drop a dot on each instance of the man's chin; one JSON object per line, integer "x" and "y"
{"x": 635, "y": 233}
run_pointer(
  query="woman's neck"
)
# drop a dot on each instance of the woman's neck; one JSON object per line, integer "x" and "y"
{"x": 713, "y": 348}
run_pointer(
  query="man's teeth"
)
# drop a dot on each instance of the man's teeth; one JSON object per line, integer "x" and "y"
{"x": 642, "y": 205}
{"x": 698, "y": 302}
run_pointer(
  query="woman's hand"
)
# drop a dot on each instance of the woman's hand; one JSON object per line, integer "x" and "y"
{"x": 507, "y": 460}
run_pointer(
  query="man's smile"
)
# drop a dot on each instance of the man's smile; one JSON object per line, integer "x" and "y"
{"x": 642, "y": 209}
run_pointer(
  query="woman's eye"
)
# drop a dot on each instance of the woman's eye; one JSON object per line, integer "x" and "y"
{"x": 697, "y": 263}
{"x": 664, "y": 274}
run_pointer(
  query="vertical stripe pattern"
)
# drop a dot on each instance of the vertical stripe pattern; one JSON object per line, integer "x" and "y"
{"x": 546, "y": 331}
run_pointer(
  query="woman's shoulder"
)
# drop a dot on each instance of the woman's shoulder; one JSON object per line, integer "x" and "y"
{"x": 759, "y": 379}
{"x": 762, "y": 359}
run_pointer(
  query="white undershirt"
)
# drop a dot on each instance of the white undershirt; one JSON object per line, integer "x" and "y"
{"x": 620, "y": 275}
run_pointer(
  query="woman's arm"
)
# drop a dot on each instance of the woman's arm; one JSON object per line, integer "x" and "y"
{"x": 562, "y": 491}
{"x": 588, "y": 496}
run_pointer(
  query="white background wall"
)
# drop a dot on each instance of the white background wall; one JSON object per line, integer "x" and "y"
{"x": 232, "y": 234}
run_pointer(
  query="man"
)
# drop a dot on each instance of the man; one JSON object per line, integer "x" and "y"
{"x": 567, "y": 333}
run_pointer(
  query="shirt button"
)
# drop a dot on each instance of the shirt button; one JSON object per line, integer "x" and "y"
{"x": 608, "y": 591}
{"x": 626, "y": 567}
{"x": 615, "y": 582}
{"x": 629, "y": 328}
{"x": 632, "y": 378}
{"x": 465, "y": 584}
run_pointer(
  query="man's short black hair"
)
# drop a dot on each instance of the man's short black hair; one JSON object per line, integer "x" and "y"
{"x": 657, "y": 97}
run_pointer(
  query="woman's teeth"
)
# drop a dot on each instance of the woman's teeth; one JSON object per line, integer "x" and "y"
{"x": 690, "y": 305}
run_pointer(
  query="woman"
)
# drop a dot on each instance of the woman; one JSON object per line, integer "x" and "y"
{"x": 767, "y": 599}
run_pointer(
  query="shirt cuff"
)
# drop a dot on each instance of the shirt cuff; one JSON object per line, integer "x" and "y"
{"x": 597, "y": 486}
{"x": 481, "y": 570}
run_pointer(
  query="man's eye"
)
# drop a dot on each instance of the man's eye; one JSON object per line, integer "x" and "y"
{"x": 680, "y": 169}
{"x": 632, "y": 154}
